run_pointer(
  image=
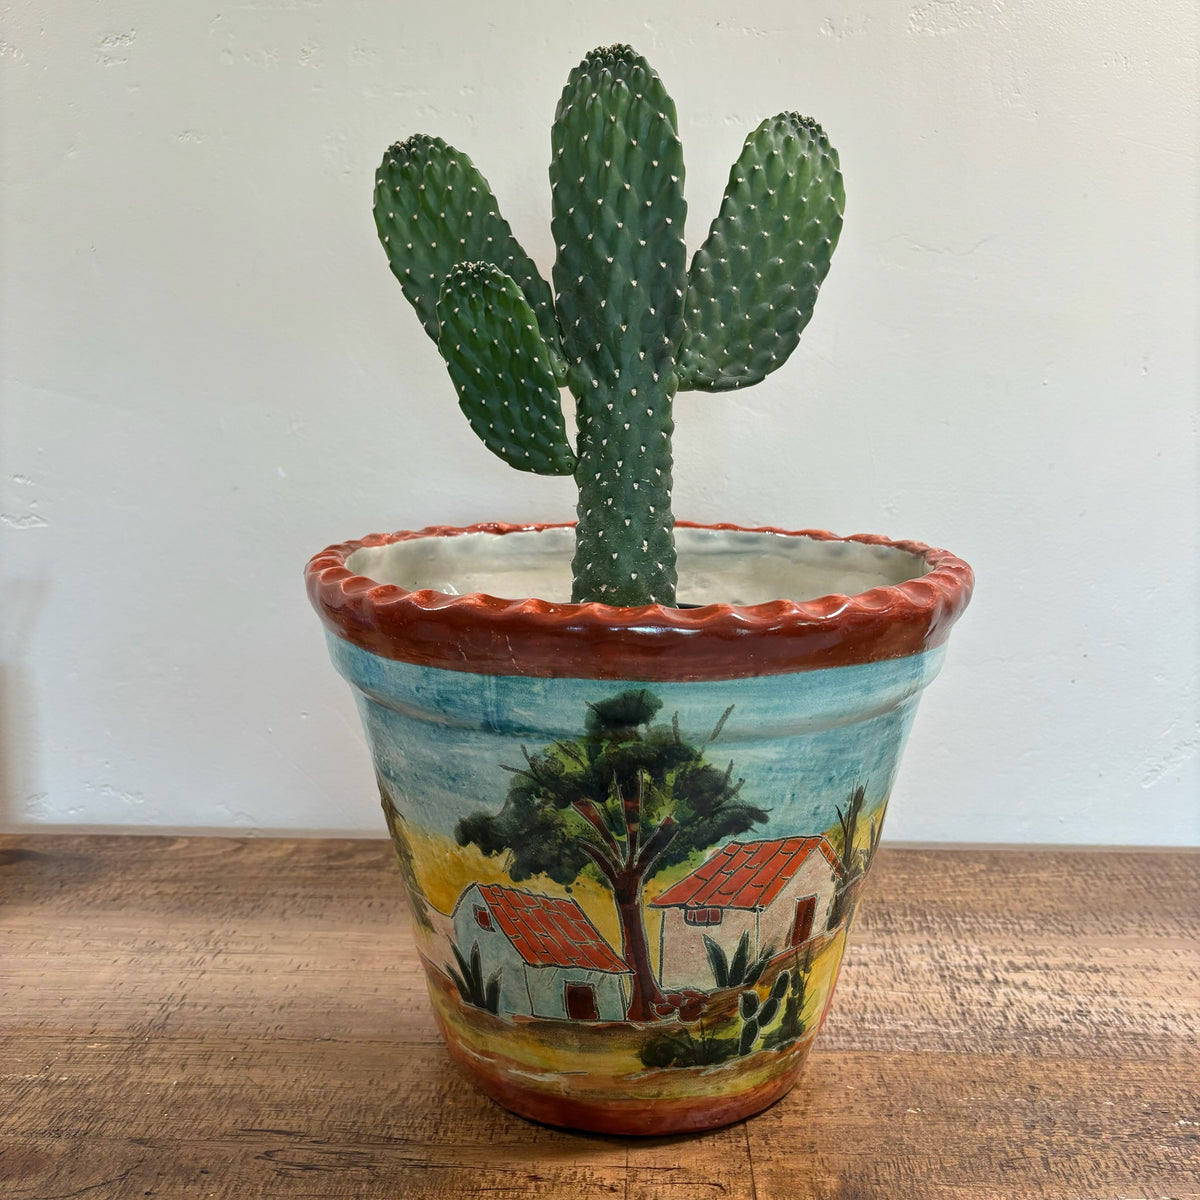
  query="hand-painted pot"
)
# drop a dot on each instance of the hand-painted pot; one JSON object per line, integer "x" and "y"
{"x": 633, "y": 838}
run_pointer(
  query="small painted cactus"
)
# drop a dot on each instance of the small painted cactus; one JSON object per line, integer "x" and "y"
{"x": 757, "y": 1013}
{"x": 629, "y": 323}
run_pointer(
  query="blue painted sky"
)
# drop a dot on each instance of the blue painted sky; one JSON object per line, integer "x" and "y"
{"x": 802, "y": 742}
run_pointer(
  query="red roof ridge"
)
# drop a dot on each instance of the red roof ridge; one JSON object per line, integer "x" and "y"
{"x": 754, "y": 884}
{"x": 549, "y": 931}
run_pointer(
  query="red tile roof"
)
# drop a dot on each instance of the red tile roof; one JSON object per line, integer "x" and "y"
{"x": 548, "y": 932}
{"x": 745, "y": 875}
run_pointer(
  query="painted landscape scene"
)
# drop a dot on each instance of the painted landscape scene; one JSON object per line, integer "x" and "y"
{"x": 625, "y": 919}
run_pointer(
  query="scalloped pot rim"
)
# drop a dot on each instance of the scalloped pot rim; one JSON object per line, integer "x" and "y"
{"x": 490, "y": 635}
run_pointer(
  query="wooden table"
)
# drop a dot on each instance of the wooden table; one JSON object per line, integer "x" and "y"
{"x": 219, "y": 1017}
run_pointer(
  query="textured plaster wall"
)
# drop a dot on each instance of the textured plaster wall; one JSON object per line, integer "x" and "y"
{"x": 208, "y": 374}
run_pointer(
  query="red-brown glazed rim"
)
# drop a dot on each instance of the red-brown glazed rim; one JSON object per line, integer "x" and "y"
{"x": 489, "y": 635}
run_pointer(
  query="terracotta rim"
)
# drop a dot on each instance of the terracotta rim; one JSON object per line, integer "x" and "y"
{"x": 489, "y": 635}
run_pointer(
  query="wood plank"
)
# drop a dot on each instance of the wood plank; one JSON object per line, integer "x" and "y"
{"x": 236, "y": 1017}
{"x": 946, "y": 1126}
{"x": 1025, "y": 952}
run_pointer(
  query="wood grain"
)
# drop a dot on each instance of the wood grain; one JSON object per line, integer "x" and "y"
{"x": 234, "y": 1018}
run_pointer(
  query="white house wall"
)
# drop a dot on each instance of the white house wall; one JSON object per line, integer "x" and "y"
{"x": 547, "y": 991}
{"x": 495, "y": 950}
{"x": 683, "y": 957}
{"x": 815, "y": 878}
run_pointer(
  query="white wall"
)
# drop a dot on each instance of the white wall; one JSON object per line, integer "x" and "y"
{"x": 210, "y": 374}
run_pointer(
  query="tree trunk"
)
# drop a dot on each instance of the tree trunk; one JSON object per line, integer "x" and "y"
{"x": 644, "y": 991}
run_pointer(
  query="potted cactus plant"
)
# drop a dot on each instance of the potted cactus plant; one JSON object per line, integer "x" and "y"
{"x": 634, "y": 770}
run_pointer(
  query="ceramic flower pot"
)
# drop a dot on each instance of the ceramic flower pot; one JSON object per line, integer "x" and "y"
{"x": 633, "y": 839}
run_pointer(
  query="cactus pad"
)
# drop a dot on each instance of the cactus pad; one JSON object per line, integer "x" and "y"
{"x": 501, "y": 368}
{"x": 753, "y": 283}
{"x": 616, "y": 181}
{"x": 616, "y": 178}
{"x": 433, "y": 210}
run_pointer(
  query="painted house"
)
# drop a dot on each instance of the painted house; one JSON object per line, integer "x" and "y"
{"x": 781, "y": 891}
{"x": 553, "y": 961}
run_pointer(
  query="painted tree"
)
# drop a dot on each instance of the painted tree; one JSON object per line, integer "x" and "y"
{"x": 417, "y": 901}
{"x": 854, "y": 858}
{"x": 846, "y": 833}
{"x": 628, "y": 799}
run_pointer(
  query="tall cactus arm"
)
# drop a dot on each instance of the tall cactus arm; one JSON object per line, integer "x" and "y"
{"x": 433, "y": 209}
{"x": 501, "y": 368}
{"x": 618, "y": 213}
{"x": 753, "y": 283}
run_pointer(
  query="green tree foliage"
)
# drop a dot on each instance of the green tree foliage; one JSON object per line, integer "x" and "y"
{"x": 628, "y": 799}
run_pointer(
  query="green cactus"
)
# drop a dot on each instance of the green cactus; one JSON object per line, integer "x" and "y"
{"x": 746, "y": 309}
{"x": 502, "y": 369}
{"x": 757, "y": 1013}
{"x": 630, "y": 323}
{"x": 434, "y": 210}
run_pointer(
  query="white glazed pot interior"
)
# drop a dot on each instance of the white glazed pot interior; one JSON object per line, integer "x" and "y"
{"x": 716, "y": 566}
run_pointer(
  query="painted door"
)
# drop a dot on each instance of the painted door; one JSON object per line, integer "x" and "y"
{"x": 806, "y": 911}
{"x": 581, "y": 1002}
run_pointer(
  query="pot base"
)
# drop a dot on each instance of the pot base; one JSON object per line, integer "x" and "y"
{"x": 648, "y": 1116}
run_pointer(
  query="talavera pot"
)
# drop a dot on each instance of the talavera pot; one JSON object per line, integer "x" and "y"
{"x": 633, "y": 839}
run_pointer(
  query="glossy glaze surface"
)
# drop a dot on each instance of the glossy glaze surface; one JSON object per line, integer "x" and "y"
{"x": 899, "y": 598}
{"x": 632, "y": 899}
{"x": 634, "y": 839}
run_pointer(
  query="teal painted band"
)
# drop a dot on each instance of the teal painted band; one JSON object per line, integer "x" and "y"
{"x": 804, "y": 740}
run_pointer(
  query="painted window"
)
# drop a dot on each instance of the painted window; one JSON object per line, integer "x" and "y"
{"x": 483, "y": 917}
{"x": 703, "y": 916}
